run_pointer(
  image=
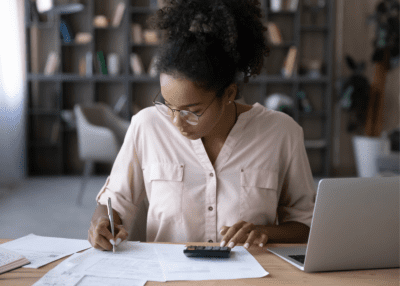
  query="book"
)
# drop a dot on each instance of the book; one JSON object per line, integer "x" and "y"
{"x": 89, "y": 64}
{"x": 119, "y": 13}
{"x": 82, "y": 66}
{"x": 66, "y": 31}
{"x": 137, "y": 35}
{"x": 292, "y": 5}
{"x": 10, "y": 260}
{"x": 274, "y": 34}
{"x": 51, "y": 64}
{"x": 289, "y": 63}
{"x": 152, "y": 70}
{"x": 136, "y": 64}
{"x": 102, "y": 63}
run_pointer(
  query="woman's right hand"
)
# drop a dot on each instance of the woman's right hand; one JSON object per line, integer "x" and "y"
{"x": 99, "y": 234}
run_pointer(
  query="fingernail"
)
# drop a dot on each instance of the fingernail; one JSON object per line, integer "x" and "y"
{"x": 112, "y": 241}
{"x": 223, "y": 243}
{"x": 261, "y": 244}
{"x": 231, "y": 244}
{"x": 246, "y": 245}
{"x": 118, "y": 241}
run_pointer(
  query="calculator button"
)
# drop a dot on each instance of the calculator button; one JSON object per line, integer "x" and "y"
{"x": 224, "y": 248}
{"x": 191, "y": 248}
{"x": 216, "y": 248}
{"x": 200, "y": 247}
{"x": 208, "y": 248}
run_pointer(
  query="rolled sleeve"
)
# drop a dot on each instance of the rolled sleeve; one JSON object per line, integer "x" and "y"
{"x": 297, "y": 197}
{"x": 125, "y": 185}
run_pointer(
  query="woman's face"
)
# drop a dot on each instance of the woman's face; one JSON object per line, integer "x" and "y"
{"x": 183, "y": 94}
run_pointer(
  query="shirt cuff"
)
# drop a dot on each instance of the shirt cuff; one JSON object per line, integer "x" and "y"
{"x": 125, "y": 209}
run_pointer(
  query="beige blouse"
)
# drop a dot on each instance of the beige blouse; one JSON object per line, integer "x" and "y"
{"x": 261, "y": 175}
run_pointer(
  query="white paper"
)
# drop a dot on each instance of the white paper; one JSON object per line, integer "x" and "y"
{"x": 41, "y": 250}
{"x": 177, "y": 266}
{"x": 107, "y": 281}
{"x": 131, "y": 260}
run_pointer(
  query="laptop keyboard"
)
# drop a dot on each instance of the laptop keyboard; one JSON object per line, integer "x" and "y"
{"x": 299, "y": 258}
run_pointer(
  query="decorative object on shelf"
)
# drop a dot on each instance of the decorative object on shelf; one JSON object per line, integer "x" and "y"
{"x": 312, "y": 68}
{"x": 83, "y": 38}
{"x": 355, "y": 94}
{"x": 113, "y": 64}
{"x": 119, "y": 13}
{"x": 304, "y": 103}
{"x": 51, "y": 63}
{"x": 276, "y": 5}
{"x": 100, "y": 21}
{"x": 137, "y": 34}
{"x": 66, "y": 32}
{"x": 280, "y": 102}
{"x": 150, "y": 37}
{"x": 152, "y": 70}
{"x": 136, "y": 64}
{"x": 102, "y": 63}
{"x": 89, "y": 64}
{"x": 289, "y": 63}
{"x": 274, "y": 34}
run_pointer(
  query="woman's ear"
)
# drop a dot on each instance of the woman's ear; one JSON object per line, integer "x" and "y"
{"x": 230, "y": 93}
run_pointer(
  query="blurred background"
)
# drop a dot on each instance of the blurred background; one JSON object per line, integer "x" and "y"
{"x": 73, "y": 73}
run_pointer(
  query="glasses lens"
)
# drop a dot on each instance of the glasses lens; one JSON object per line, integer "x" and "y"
{"x": 163, "y": 109}
{"x": 189, "y": 117}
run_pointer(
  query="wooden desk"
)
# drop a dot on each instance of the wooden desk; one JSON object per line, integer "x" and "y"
{"x": 280, "y": 273}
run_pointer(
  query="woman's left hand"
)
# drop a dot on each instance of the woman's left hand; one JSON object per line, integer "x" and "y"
{"x": 242, "y": 232}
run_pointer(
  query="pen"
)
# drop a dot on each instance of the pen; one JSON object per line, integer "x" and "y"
{"x": 110, "y": 215}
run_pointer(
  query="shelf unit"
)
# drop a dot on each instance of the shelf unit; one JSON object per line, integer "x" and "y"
{"x": 52, "y": 145}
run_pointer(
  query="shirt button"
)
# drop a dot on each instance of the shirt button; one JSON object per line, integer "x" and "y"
{"x": 211, "y": 174}
{"x": 210, "y": 241}
{"x": 210, "y": 208}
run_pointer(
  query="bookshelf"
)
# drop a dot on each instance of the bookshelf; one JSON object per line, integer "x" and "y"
{"x": 52, "y": 143}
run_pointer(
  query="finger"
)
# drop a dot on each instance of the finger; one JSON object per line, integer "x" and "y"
{"x": 232, "y": 231}
{"x": 264, "y": 240}
{"x": 121, "y": 234}
{"x": 241, "y": 234}
{"x": 251, "y": 238}
{"x": 101, "y": 243}
{"x": 223, "y": 230}
{"x": 103, "y": 230}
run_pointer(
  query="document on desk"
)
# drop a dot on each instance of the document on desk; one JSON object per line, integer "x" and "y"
{"x": 41, "y": 250}
{"x": 177, "y": 266}
{"x": 61, "y": 276}
{"x": 151, "y": 262}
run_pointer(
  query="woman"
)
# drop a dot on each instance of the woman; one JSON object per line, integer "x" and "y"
{"x": 212, "y": 169}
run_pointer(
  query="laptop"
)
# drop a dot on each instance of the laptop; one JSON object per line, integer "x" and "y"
{"x": 355, "y": 226}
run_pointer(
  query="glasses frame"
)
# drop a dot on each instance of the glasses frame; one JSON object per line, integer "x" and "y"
{"x": 173, "y": 110}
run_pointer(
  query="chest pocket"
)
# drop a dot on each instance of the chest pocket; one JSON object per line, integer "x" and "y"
{"x": 258, "y": 196}
{"x": 166, "y": 191}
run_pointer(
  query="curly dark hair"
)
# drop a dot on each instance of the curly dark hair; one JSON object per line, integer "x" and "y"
{"x": 211, "y": 42}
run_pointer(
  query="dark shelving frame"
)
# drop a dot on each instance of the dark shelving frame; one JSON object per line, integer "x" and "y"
{"x": 41, "y": 148}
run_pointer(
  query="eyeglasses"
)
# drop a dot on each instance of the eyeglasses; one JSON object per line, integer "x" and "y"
{"x": 190, "y": 117}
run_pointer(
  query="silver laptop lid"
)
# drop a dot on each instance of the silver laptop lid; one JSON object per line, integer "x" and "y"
{"x": 355, "y": 225}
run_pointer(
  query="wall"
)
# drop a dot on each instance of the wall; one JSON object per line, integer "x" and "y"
{"x": 12, "y": 93}
{"x": 357, "y": 42}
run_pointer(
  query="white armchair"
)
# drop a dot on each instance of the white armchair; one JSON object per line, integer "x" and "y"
{"x": 100, "y": 136}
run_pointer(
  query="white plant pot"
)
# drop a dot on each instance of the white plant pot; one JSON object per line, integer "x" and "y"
{"x": 366, "y": 152}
